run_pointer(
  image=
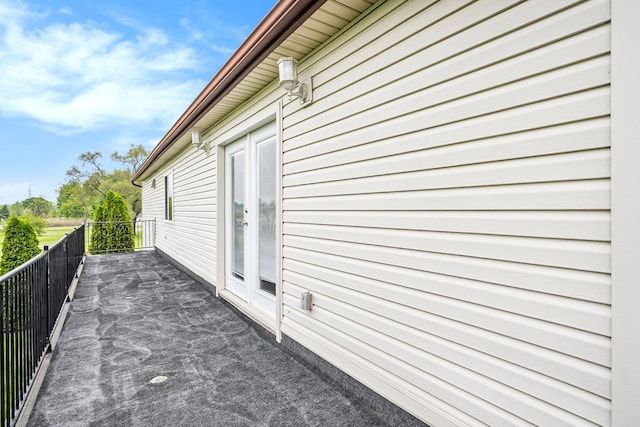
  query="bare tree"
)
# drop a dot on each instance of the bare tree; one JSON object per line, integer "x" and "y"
{"x": 134, "y": 157}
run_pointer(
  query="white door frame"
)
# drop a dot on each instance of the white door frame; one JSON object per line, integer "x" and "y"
{"x": 248, "y": 289}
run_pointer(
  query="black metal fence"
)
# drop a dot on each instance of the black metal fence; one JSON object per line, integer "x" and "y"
{"x": 142, "y": 236}
{"x": 31, "y": 299}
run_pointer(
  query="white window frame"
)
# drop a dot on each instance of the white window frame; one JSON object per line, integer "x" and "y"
{"x": 169, "y": 198}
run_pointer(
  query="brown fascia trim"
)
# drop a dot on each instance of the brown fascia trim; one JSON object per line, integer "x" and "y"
{"x": 285, "y": 17}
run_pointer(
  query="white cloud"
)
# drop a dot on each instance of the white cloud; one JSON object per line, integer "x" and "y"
{"x": 192, "y": 29}
{"x": 11, "y": 11}
{"x": 82, "y": 76}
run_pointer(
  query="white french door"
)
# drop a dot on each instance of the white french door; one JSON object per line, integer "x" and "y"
{"x": 250, "y": 213}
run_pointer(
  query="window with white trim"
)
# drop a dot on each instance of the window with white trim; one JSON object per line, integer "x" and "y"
{"x": 168, "y": 197}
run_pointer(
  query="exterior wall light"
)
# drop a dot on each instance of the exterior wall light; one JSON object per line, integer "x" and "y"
{"x": 196, "y": 140}
{"x": 288, "y": 72}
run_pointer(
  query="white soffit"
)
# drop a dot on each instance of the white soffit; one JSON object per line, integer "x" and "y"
{"x": 321, "y": 26}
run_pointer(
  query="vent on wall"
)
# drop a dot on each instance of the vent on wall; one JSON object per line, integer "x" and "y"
{"x": 153, "y": 183}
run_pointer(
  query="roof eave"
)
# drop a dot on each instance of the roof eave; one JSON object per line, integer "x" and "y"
{"x": 285, "y": 17}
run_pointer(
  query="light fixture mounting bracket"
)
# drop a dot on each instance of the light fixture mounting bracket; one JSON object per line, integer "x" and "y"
{"x": 303, "y": 91}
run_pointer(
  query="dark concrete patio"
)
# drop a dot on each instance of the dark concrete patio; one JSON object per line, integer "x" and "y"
{"x": 134, "y": 317}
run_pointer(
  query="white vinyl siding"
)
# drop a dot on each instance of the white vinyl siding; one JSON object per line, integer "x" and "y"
{"x": 446, "y": 201}
{"x": 152, "y": 199}
{"x": 190, "y": 237}
{"x": 193, "y": 238}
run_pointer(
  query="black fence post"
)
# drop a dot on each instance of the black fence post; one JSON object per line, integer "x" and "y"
{"x": 47, "y": 295}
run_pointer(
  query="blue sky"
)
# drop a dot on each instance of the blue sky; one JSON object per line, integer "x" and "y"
{"x": 79, "y": 76}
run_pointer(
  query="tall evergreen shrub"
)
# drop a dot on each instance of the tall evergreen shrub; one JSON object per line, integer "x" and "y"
{"x": 4, "y": 212}
{"x": 20, "y": 244}
{"x": 98, "y": 232}
{"x": 112, "y": 229}
{"x": 121, "y": 237}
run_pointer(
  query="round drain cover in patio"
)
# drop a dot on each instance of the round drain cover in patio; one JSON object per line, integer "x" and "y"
{"x": 160, "y": 379}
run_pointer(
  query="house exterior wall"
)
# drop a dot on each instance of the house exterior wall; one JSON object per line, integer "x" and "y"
{"x": 195, "y": 236}
{"x": 446, "y": 202}
{"x": 189, "y": 237}
{"x": 625, "y": 205}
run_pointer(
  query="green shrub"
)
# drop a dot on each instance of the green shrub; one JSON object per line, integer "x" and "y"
{"x": 99, "y": 231}
{"x": 19, "y": 246}
{"x": 112, "y": 229}
{"x": 121, "y": 238}
{"x": 38, "y": 224}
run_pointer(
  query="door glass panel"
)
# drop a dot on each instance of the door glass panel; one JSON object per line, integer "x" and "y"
{"x": 237, "y": 202}
{"x": 267, "y": 215}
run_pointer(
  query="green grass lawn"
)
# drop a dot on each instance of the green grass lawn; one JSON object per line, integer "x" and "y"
{"x": 50, "y": 236}
{"x": 53, "y": 234}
